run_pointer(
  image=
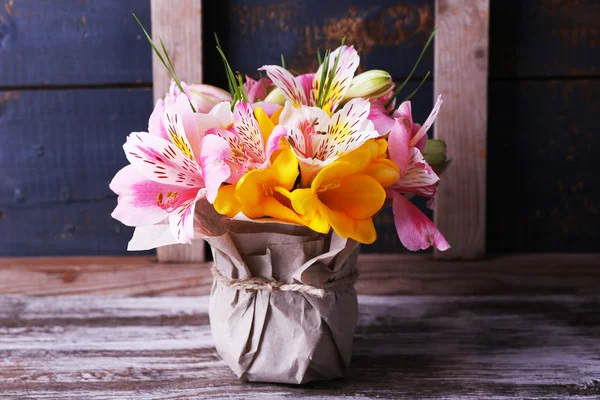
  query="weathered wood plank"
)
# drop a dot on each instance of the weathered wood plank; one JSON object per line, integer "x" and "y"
{"x": 389, "y": 35}
{"x": 461, "y": 75}
{"x": 544, "y": 191}
{"x": 73, "y": 42}
{"x": 380, "y": 275}
{"x": 544, "y": 38}
{"x": 63, "y": 229}
{"x": 405, "y": 347}
{"x": 179, "y": 25}
{"x": 60, "y": 150}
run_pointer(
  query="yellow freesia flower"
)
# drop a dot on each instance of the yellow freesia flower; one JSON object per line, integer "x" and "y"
{"x": 348, "y": 192}
{"x": 263, "y": 192}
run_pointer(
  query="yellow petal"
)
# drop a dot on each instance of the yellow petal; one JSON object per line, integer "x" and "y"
{"x": 319, "y": 224}
{"x": 305, "y": 202}
{"x": 275, "y": 116}
{"x": 364, "y": 231}
{"x": 272, "y": 208}
{"x": 332, "y": 175}
{"x": 361, "y": 157}
{"x": 384, "y": 171}
{"x": 285, "y": 168}
{"x": 251, "y": 187}
{"x": 359, "y": 196}
{"x": 383, "y": 146}
{"x": 342, "y": 224}
{"x": 226, "y": 203}
{"x": 264, "y": 123}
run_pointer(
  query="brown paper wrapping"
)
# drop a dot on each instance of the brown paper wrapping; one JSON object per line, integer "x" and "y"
{"x": 283, "y": 337}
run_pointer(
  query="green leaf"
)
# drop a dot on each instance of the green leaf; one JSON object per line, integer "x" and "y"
{"x": 282, "y": 62}
{"x": 235, "y": 83}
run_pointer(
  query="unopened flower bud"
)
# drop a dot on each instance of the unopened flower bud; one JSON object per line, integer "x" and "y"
{"x": 205, "y": 97}
{"x": 371, "y": 84}
{"x": 276, "y": 96}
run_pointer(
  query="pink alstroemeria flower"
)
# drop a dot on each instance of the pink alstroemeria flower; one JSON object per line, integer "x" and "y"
{"x": 251, "y": 143}
{"x": 303, "y": 89}
{"x": 415, "y": 230}
{"x": 318, "y": 139}
{"x": 168, "y": 175}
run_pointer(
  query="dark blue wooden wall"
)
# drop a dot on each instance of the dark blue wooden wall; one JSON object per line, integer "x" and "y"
{"x": 75, "y": 79}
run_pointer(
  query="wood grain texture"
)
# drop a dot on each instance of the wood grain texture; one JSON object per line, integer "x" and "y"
{"x": 461, "y": 76}
{"x": 379, "y": 275}
{"x": 59, "y": 151}
{"x": 179, "y": 25}
{"x": 388, "y": 34}
{"x": 544, "y": 38}
{"x": 405, "y": 347}
{"x": 73, "y": 43}
{"x": 543, "y": 173}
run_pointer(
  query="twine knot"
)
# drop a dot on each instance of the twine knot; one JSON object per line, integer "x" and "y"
{"x": 273, "y": 286}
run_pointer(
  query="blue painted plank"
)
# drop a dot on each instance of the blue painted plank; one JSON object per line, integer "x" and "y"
{"x": 73, "y": 42}
{"x": 65, "y": 145}
{"x": 59, "y": 149}
{"x": 63, "y": 229}
{"x": 543, "y": 171}
{"x": 388, "y": 34}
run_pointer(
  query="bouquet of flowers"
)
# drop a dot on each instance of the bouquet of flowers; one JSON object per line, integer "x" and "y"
{"x": 282, "y": 176}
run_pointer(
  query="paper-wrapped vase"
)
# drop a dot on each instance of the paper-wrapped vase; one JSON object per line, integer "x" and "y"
{"x": 282, "y": 307}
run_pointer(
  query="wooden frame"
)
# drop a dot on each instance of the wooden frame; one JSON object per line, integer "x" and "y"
{"x": 460, "y": 71}
{"x": 179, "y": 24}
{"x": 461, "y": 75}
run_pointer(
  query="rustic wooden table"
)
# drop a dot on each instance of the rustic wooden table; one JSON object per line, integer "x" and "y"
{"x": 413, "y": 347}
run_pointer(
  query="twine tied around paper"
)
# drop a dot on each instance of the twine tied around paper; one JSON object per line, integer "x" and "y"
{"x": 273, "y": 286}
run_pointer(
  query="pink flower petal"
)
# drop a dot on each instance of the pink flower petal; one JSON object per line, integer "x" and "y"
{"x": 269, "y": 108}
{"x": 306, "y": 83}
{"x": 161, "y": 161}
{"x": 348, "y": 129}
{"x": 285, "y": 81}
{"x": 399, "y": 144}
{"x": 381, "y": 120}
{"x": 255, "y": 90}
{"x": 415, "y": 230}
{"x": 155, "y": 123}
{"x": 342, "y": 78}
{"x": 182, "y": 220}
{"x": 418, "y": 177}
{"x": 274, "y": 140}
{"x": 249, "y": 132}
{"x": 215, "y": 152}
{"x": 138, "y": 198}
{"x": 428, "y": 122}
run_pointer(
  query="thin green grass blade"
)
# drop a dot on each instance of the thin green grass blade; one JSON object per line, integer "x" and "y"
{"x": 418, "y": 87}
{"x": 397, "y": 92}
{"x": 283, "y": 62}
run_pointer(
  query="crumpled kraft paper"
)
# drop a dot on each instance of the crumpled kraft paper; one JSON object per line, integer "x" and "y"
{"x": 283, "y": 337}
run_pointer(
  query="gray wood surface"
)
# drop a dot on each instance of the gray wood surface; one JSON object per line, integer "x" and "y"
{"x": 405, "y": 347}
